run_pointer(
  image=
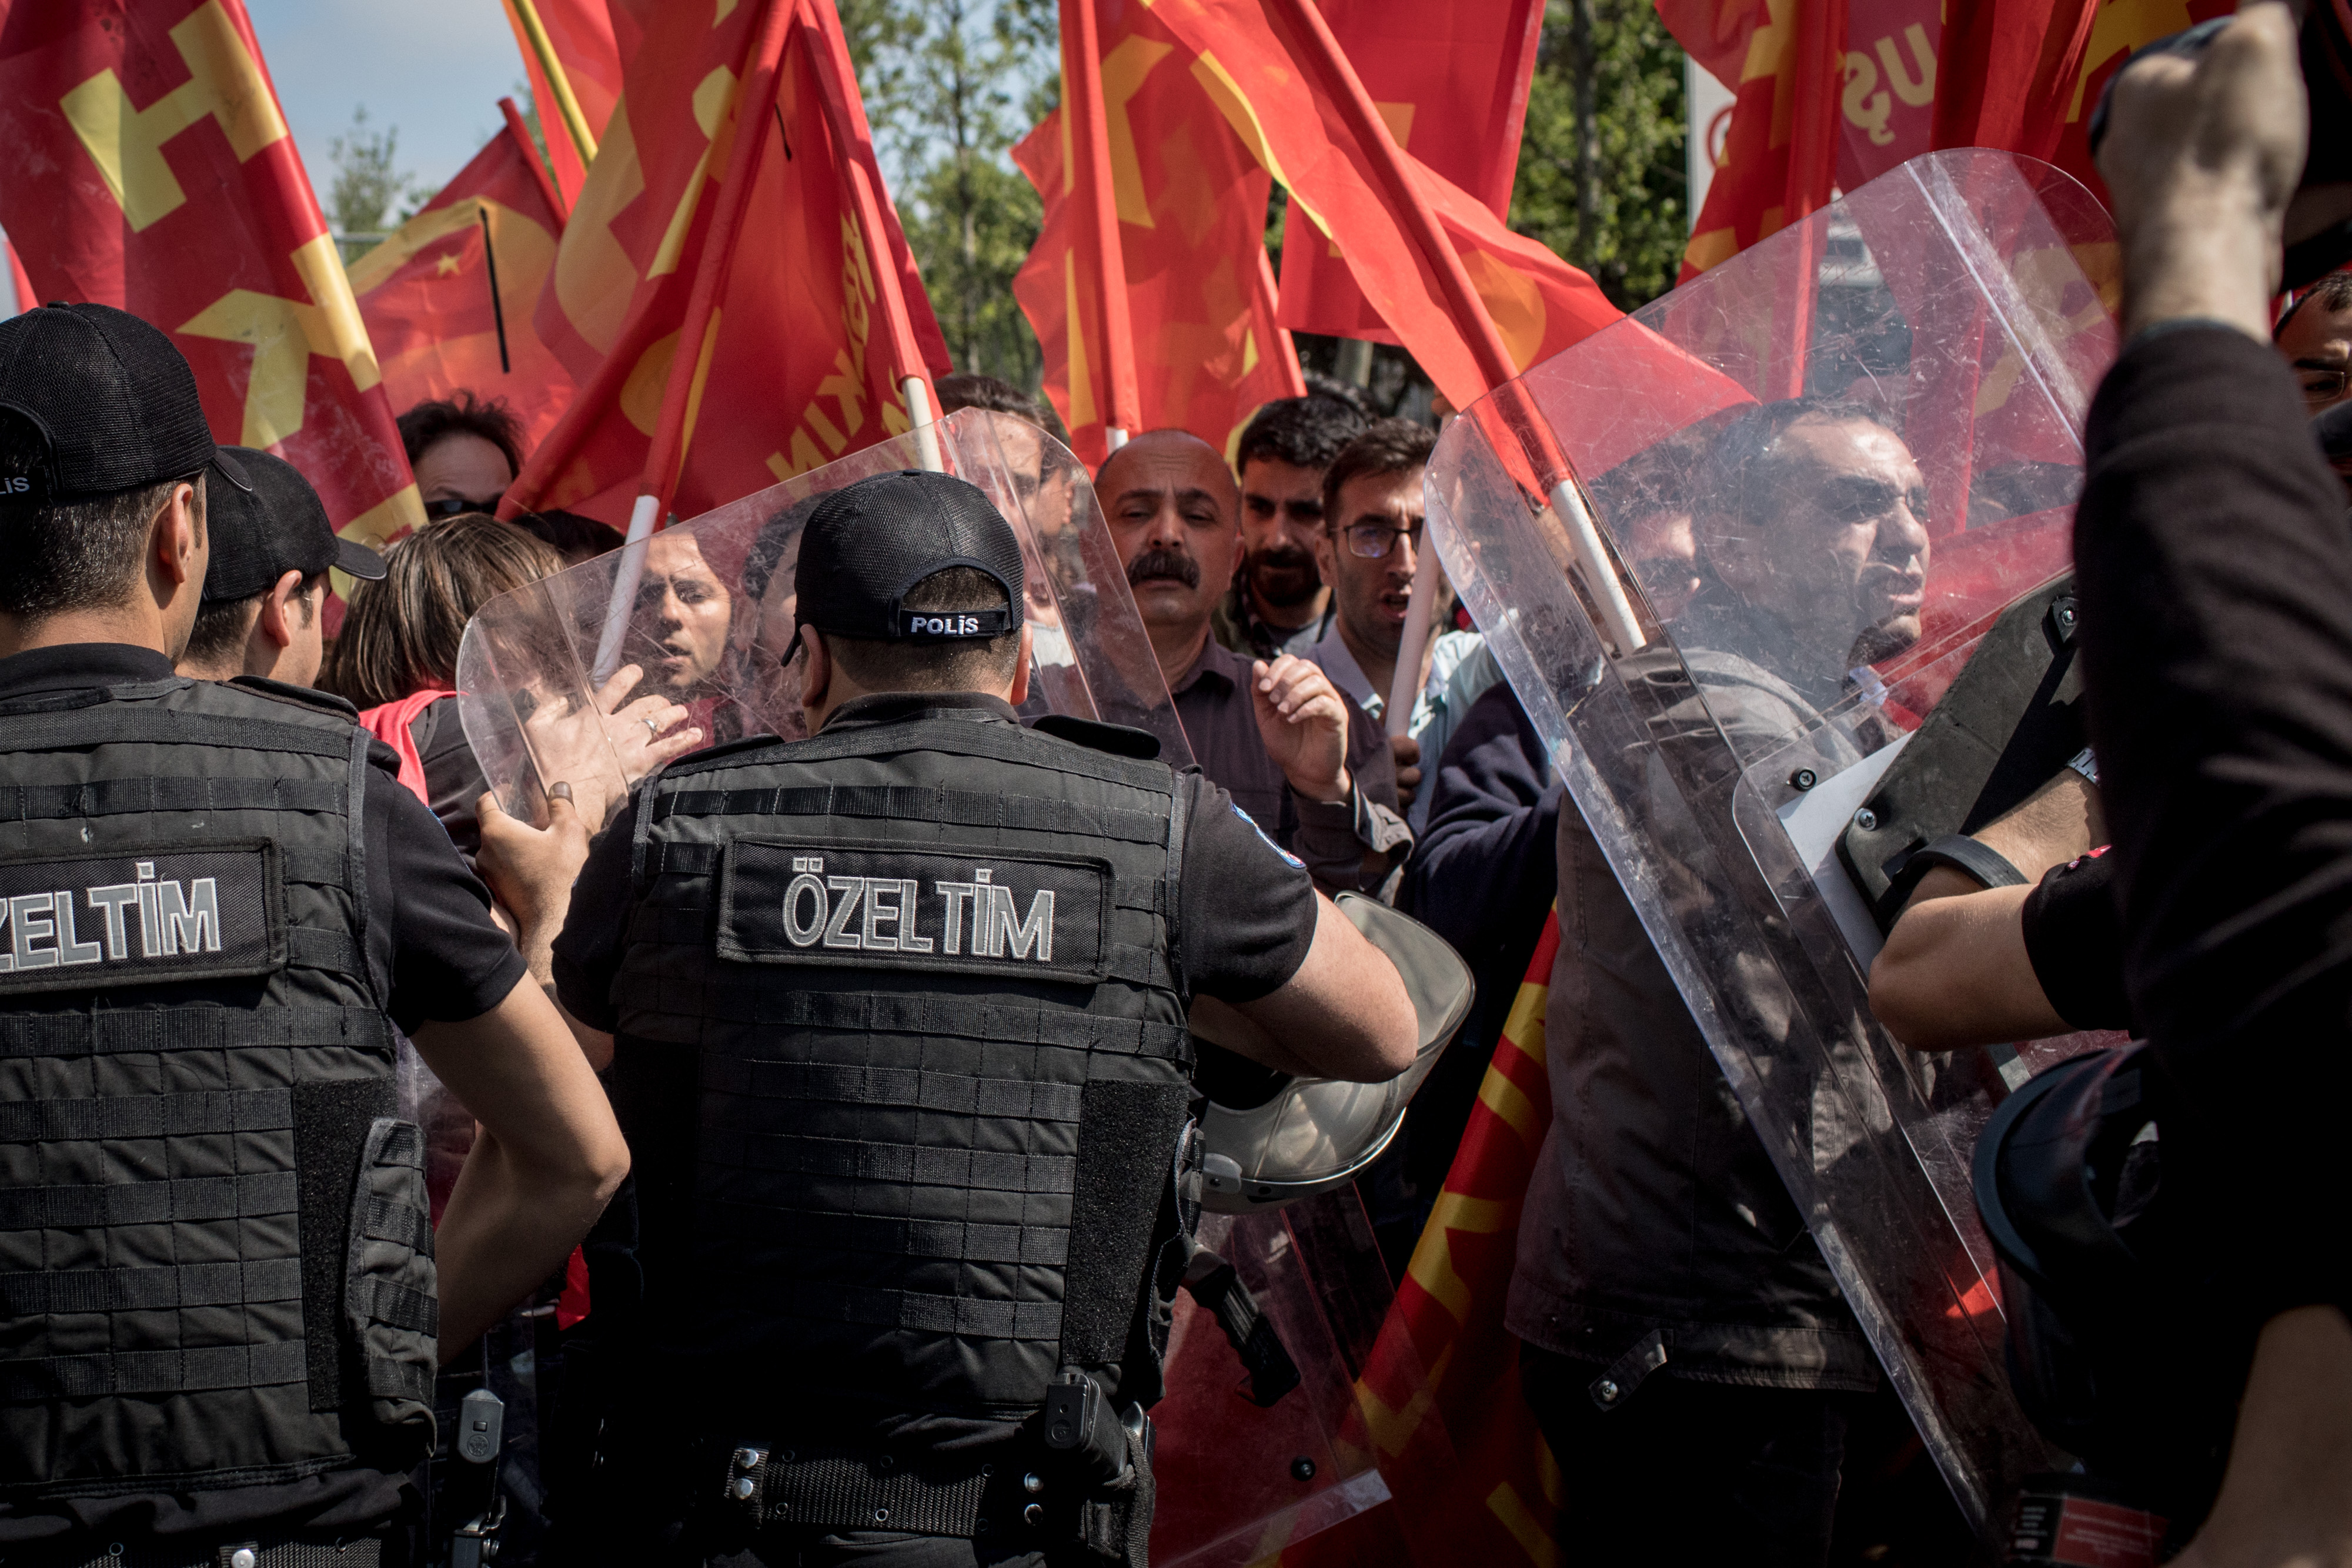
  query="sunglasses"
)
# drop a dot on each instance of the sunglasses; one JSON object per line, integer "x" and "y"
{"x": 1854, "y": 499}
{"x": 457, "y": 505}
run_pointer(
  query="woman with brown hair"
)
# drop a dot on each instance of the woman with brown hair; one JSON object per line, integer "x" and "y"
{"x": 396, "y": 660}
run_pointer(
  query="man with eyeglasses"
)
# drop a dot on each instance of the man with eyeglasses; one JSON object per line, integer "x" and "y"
{"x": 1369, "y": 549}
{"x": 1306, "y": 764}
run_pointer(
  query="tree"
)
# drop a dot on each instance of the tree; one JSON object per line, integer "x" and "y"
{"x": 367, "y": 184}
{"x": 950, "y": 87}
{"x": 1600, "y": 176}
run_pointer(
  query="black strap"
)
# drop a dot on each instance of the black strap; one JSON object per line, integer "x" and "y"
{"x": 147, "y": 1289}
{"x": 154, "y": 1372}
{"x": 844, "y": 1489}
{"x": 763, "y": 1000}
{"x": 893, "y": 1165}
{"x": 899, "y": 803}
{"x": 1170, "y": 888}
{"x": 310, "y": 948}
{"x": 387, "y": 1303}
{"x": 196, "y": 1027}
{"x": 126, "y": 724}
{"x": 363, "y": 1551}
{"x": 1963, "y": 855}
{"x": 148, "y": 1115}
{"x": 355, "y": 875}
{"x": 942, "y": 1240}
{"x": 122, "y": 797}
{"x": 1215, "y": 1284}
{"x": 958, "y": 1093}
{"x": 149, "y": 1202}
{"x": 964, "y": 734}
{"x": 388, "y": 1219}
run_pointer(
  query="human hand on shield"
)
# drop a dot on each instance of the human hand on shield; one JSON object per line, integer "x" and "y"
{"x": 1303, "y": 720}
{"x": 529, "y": 871}
{"x": 2201, "y": 153}
{"x": 642, "y": 736}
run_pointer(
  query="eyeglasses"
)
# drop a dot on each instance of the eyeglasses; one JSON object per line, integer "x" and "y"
{"x": 1851, "y": 498}
{"x": 2320, "y": 387}
{"x": 1372, "y": 541}
{"x": 457, "y": 506}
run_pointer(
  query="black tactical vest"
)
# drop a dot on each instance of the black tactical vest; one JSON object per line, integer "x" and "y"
{"x": 215, "y": 1260}
{"x": 905, "y": 1070}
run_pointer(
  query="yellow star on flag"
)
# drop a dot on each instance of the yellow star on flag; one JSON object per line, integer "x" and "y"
{"x": 445, "y": 265}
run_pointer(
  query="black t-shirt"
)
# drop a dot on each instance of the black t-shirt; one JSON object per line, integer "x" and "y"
{"x": 435, "y": 952}
{"x": 2075, "y": 940}
{"x": 454, "y": 779}
{"x": 1246, "y": 912}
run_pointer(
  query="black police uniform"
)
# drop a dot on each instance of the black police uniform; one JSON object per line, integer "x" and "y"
{"x": 900, "y": 1050}
{"x": 216, "y": 1293}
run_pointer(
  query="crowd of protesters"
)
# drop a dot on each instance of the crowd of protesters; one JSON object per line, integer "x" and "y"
{"x": 1699, "y": 1376}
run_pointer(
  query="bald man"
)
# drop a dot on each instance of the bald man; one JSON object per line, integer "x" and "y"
{"x": 1309, "y": 765}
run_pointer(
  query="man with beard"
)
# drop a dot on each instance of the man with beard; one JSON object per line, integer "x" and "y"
{"x": 1689, "y": 1356}
{"x": 1280, "y": 604}
{"x": 683, "y": 612}
{"x": 1307, "y": 764}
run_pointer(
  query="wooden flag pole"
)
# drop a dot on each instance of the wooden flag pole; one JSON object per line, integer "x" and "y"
{"x": 1093, "y": 190}
{"x": 1329, "y": 72}
{"x": 575, "y": 124}
{"x": 691, "y": 361}
{"x": 847, "y": 116}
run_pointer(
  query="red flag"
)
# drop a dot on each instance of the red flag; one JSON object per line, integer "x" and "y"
{"x": 574, "y": 65}
{"x": 152, "y": 169}
{"x": 1190, "y": 201}
{"x": 806, "y": 344}
{"x": 1281, "y": 87}
{"x": 1450, "y": 79}
{"x": 448, "y": 297}
{"x": 1468, "y": 1468}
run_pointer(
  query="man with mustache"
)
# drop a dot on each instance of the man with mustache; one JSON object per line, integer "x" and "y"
{"x": 1307, "y": 764}
{"x": 1688, "y": 1354}
{"x": 683, "y": 611}
{"x": 1282, "y": 603}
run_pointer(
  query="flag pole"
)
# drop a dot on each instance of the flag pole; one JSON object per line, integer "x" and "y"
{"x": 575, "y": 124}
{"x": 1095, "y": 191}
{"x": 845, "y": 112}
{"x": 1329, "y": 72}
{"x": 691, "y": 361}
{"x": 1294, "y": 381}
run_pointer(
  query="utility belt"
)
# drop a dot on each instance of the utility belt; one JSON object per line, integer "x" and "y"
{"x": 299, "y": 1552}
{"x": 1081, "y": 1471}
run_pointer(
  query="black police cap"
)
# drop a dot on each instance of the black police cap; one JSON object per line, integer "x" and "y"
{"x": 278, "y": 526}
{"x": 112, "y": 401}
{"x": 867, "y": 544}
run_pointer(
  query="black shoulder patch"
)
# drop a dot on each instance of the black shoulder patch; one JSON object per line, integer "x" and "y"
{"x": 310, "y": 697}
{"x": 101, "y": 918}
{"x": 865, "y": 905}
{"x": 1118, "y": 740}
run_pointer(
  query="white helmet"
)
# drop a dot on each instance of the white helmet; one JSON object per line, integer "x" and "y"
{"x": 1268, "y": 1138}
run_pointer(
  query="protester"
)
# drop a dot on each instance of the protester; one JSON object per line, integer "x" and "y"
{"x": 1369, "y": 550}
{"x": 465, "y": 450}
{"x": 397, "y": 662}
{"x": 226, "y": 1336}
{"x": 265, "y": 589}
{"x": 1305, "y": 763}
{"x": 1691, "y": 1359}
{"x": 2215, "y": 583}
{"x": 1280, "y": 603}
{"x": 1647, "y": 503}
{"x": 2314, "y": 338}
{"x": 970, "y": 389}
{"x": 902, "y": 1175}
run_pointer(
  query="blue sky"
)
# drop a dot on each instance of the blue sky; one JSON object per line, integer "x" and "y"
{"x": 435, "y": 68}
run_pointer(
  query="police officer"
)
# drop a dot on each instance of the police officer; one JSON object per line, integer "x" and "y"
{"x": 218, "y": 1308}
{"x": 899, "y": 1020}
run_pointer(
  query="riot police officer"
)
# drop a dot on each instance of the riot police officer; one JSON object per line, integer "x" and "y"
{"x": 898, "y": 1015}
{"x": 218, "y": 1297}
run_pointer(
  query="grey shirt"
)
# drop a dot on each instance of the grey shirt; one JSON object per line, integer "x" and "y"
{"x": 1351, "y": 844}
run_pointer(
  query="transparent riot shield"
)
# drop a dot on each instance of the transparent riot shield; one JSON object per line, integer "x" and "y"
{"x": 1727, "y": 613}
{"x": 701, "y": 613}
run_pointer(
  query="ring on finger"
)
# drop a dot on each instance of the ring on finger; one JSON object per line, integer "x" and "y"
{"x": 651, "y": 728}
